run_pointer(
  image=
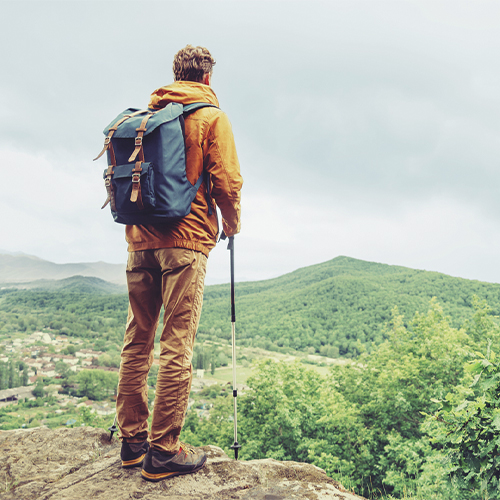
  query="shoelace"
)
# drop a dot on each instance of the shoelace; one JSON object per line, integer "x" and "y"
{"x": 186, "y": 447}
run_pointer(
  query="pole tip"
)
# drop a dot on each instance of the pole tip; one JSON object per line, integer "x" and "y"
{"x": 236, "y": 447}
{"x": 112, "y": 430}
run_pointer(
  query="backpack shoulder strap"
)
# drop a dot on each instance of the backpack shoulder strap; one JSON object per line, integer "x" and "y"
{"x": 190, "y": 108}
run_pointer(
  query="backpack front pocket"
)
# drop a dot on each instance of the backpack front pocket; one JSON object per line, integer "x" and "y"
{"x": 133, "y": 187}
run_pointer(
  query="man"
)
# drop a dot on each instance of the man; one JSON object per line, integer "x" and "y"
{"x": 166, "y": 267}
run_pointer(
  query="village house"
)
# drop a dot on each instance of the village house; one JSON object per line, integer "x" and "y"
{"x": 41, "y": 336}
{"x": 34, "y": 363}
{"x": 48, "y": 370}
{"x": 104, "y": 368}
{"x": 33, "y": 351}
{"x": 60, "y": 340}
{"x": 70, "y": 360}
{"x": 103, "y": 409}
{"x": 88, "y": 353}
{"x": 9, "y": 396}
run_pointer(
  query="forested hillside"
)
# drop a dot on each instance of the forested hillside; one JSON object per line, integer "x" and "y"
{"x": 337, "y": 308}
{"x": 81, "y": 307}
{"x": 329, "y": 307}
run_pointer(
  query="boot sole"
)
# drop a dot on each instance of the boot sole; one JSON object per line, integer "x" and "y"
{"x": 128, "y": 464}
{"x": 148, "y": 476}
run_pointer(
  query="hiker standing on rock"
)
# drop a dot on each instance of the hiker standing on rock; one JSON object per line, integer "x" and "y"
{"x": 166, "y": 267}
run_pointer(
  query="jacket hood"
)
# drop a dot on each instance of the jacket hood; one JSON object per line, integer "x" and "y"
{"x": 183, "y": 93}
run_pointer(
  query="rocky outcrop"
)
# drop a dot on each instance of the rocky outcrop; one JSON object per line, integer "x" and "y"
{"x": 80, "y": 463}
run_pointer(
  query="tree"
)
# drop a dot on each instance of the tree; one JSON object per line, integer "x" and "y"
{"x": 13, "y": 378}
{"x": 70, "y": 349}
{"x": 63, "y": 369}
{"x": 281, "y": 411}
{"x": 4, "y": 377}
{"x": 25, "y": 377}
{"x": 469, "y": 432}
{"x": 153, "y": 375}
{"x": 86, "y": 415}
{"x": 38, "y": 391}
{"x": 199, "y": 362}
{"x": 96, "y": 384}
{"x": 394, "y": 386}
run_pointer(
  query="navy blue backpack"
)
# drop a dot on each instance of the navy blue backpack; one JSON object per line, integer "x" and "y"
{"x": 146, "y": 179}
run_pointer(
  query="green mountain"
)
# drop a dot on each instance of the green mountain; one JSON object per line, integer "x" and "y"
{"x": 329, "y": 307}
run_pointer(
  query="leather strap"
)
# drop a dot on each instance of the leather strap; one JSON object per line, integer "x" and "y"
{"x": 136, "y": 195}
{"x": 138, "y": 140}
{"x": 112, "y": 130}
{"x": 108, "y": 184}
{"x": 109, "y": 189}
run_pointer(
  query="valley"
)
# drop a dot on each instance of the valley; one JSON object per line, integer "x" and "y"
{"x": 362, "y": 369}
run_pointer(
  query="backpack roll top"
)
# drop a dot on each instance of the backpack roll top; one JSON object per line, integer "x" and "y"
{"x": 127, "y": 129}
{"x": 146, "y": 179}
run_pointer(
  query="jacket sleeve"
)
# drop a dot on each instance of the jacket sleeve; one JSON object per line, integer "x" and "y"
{"x": 222, "y": 163}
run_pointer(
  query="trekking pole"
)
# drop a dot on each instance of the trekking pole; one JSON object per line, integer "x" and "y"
{"x": 236, "y": 446}
{"x": 113, "y": 428}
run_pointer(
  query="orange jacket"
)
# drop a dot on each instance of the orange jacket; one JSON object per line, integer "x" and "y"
{"x": 209, "y": 145}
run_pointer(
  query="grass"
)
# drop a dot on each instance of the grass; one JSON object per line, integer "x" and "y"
{"x": 226, "y": 374}
{"x": 244, "y": 372}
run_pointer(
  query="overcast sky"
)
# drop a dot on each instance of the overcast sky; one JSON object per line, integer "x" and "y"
{"x": 364, "y": 128}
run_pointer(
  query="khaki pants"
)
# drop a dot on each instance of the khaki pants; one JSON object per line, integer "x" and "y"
{"x": 174, "y": 278}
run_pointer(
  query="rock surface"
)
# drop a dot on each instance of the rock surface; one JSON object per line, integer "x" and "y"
{"x": 80, "y": 463}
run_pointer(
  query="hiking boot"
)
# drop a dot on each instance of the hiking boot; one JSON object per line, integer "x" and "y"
{"x": 132, "y": 454}
{"x": 159, "y": 465}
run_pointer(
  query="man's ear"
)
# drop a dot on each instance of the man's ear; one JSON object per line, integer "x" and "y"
{"x": 207, "y": 79}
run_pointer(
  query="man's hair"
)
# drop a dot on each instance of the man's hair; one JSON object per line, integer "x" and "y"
{"x": 192, "y": 64}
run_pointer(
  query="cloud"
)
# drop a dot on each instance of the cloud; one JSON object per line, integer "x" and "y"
{"x": 440, "y": 234}
{"x": 55, "y": 213}
{"x": 368, "y": 129}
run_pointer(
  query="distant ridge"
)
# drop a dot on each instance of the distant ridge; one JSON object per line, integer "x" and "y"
{"x": 22, "y": 268}
{"x": 76, "y": 284}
